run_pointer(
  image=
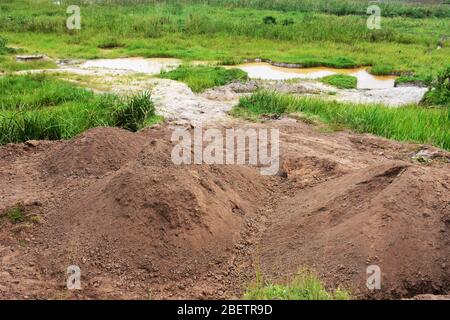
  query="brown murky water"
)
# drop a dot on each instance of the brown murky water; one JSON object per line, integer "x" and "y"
{"x": 257, "y": 70}
{"x": 265, "y": 71}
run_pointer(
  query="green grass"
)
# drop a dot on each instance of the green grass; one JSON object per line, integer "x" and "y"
{"x": 304, "y": 286}
{"x": 38, "y": 91}
{"x": 318, "y": 33}
{"x": 342, "y": 81}
{"x": 44, "y": 108}
{"x": 199, "y": 78}
{"x": 382, "y": 70}
{"x": 16, "y": 214}
{"x": 422, "y": 80}
{"x": 411, "y": 123}
{"x": 440, "y": 92}
{"x": 134, "y": 111}
{"x": 8, "y": 60}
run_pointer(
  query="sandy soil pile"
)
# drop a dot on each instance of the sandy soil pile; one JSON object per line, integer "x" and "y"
{"x": 113, "y": 203}
{"x": 393, "y": 215}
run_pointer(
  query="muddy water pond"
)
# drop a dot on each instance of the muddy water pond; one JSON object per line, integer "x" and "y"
{"x": 266, "y": 71}
{"x": 141, "y": 65}
{"x": 257, "y": 70}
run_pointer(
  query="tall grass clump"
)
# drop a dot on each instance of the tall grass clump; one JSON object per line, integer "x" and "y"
{"x": 40, "y": 107}
{"x": 199, "y": 78}
{"x": 305, "y": 285}
{"x": 409, "y": 123}
{"x": 133, "y": 111}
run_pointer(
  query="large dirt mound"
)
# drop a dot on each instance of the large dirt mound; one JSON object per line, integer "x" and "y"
{"x": 93, "y": 153}
{"x": 114, "y": 203}
{"x": 395, "y": 216}
{"x": 150, "y": 219}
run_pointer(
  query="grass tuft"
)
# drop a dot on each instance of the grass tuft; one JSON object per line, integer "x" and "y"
{"x": 132, "y": 114}
{"x": 16, "y": 214}
{"x": 342, "y": 81}
{"x": 305, "y": 285}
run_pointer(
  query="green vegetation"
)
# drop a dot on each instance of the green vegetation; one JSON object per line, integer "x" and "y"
{"x": 43, "y": 107}
{"x": 8, "y": 61}
{"x": 134, "y": 112}
{"x": 199, "y": 78}
{"x": 412, "y": 123}
{"x": 310, "y": 32}
{"x": 340, "y": 7}
{"x": 3, "y": 48}
{"x": 440, "y": 92}
{"x": 418, "y": 80}
{"x": 382, "y": 70}
{"x": 304, "y": 286}
{"x": 342, "y": 81}
{"x": 16, "y": 214}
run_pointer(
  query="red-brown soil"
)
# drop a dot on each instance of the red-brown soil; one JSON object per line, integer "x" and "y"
{"x": 139, "y": 226}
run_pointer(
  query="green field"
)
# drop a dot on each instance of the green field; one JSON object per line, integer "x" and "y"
{"x": 314, "y": 33}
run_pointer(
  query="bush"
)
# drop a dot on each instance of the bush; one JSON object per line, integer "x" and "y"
{"x": 439, "y": 93}
{"x": 341, "y": 81}
{"x": 133, "y": 111}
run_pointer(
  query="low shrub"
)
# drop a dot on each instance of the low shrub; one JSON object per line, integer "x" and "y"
{"x": 439, "y": 93}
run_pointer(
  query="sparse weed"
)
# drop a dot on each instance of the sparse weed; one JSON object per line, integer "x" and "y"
{"x": 16, "y": 214}
{"x": 305, "y": 285}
